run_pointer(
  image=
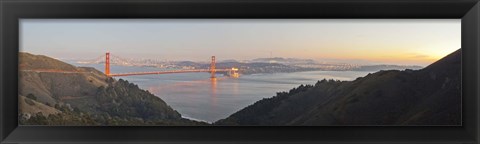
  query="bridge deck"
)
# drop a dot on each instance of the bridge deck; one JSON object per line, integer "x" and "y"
{"x": 167, "y": 72}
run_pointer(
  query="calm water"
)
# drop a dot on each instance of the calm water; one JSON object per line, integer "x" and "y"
{"x": 196, "y": 96}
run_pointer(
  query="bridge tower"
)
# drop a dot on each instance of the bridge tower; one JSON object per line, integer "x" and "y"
{"x": 212, "y": 67}
{"x": 107, "y": 63}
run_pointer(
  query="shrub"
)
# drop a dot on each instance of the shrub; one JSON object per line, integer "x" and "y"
{"x": 31, "y": 96}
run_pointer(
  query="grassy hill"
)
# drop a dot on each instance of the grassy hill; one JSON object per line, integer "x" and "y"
{"x": 429, "y": 96}
{"x": 52, "y": 92}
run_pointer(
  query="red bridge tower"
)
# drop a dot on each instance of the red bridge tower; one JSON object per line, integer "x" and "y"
{"x": 107, "y": 63}
{"x": 212, "y": 67}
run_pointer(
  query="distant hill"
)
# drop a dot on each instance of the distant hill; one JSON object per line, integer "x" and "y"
{"x": 429, "y": 96}
{"x": 282, "y": 60}
{"x": 227, "y": 61}
{"x": 252, "y": 68}
{"x": 52, "y": 92}
{"x": 385, "y": 67}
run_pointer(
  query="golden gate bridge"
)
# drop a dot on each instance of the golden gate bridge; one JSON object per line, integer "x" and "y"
{"x": 233, "y": 72}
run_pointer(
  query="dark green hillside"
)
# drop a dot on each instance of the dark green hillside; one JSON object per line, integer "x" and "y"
{"x": 430, "y": 96}
{"x": 52, "y": 92}
{"x": 124, "y": 99}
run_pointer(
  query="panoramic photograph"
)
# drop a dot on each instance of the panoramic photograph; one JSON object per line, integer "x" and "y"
{"x": 240, "y": 72}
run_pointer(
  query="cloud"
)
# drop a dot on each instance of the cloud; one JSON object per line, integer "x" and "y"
{"x": 419, "y": 56}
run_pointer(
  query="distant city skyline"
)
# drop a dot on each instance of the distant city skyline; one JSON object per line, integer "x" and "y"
{"x": 389, "y": 41}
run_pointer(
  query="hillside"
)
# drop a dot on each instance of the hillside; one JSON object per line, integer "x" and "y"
{"x": 429, "y": 96}
{"x": 52, "y": 92}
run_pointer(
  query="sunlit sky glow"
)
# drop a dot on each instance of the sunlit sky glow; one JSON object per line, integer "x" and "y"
{"x": 360, "y": 41}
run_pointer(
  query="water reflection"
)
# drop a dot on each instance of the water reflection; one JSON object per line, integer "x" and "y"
{"x": 235, "y": 87}
{"x": 213, "y": 91}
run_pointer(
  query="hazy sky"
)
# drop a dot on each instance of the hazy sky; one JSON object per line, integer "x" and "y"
{"x": 412, "y": 42}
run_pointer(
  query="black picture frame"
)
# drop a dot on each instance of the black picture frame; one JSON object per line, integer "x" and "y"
{"x": 466, "y": 10}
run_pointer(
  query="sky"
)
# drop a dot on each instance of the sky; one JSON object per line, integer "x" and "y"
{"x": 357, "y": 41}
